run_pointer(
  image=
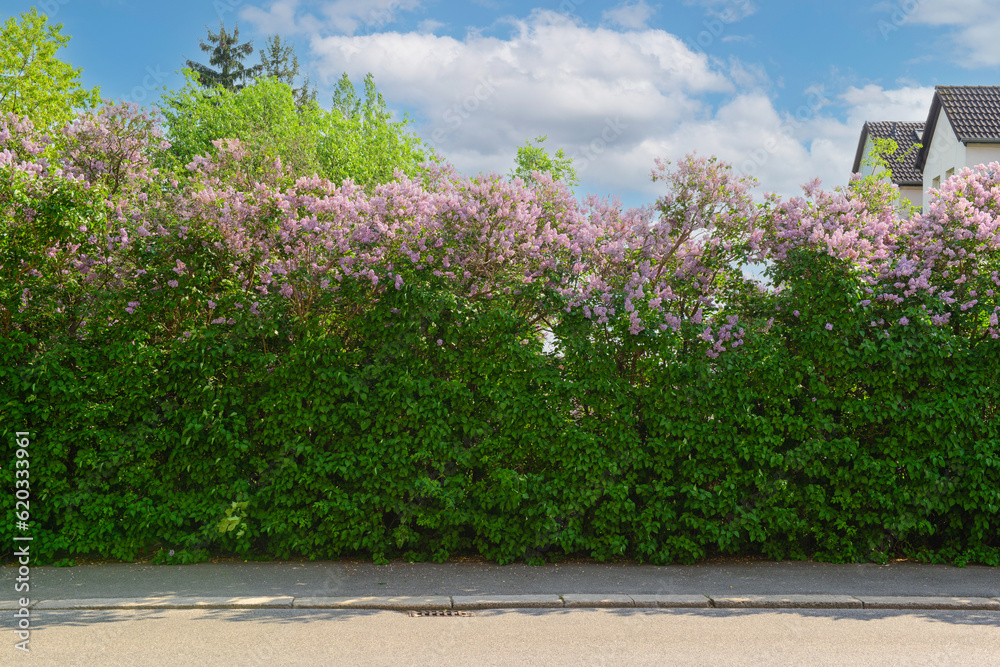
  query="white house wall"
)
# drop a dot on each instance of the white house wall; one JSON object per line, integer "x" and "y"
{"x": 914, "y": 193}
{"x": 946, "y": 152}
{"x": 981, "y": 154}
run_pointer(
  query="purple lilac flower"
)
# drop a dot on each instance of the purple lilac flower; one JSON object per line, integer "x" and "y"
{"x": 829, "y": 327}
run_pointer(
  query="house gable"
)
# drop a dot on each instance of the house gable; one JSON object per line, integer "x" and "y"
{"x": 972, "y": 113}
{"x": 902, "y": 163}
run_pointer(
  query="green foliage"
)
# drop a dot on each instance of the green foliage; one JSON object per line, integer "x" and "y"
{"x": 356, "y": 140}
{"x": 803, "y": 443}
{"x": 234, "y": 519}
{"x": 876, "y": 188}
{"x": 532, "y": 158}
{"x": 423, "y": 422}
{"x": 33, "y": 81}
{"x": 361, "y": 141}
{"x": 278, "y": 61}
{"x": 227, "y": 55}
{"x": 264, "y": 116}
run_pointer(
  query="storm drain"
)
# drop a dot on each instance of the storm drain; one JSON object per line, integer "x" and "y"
{"x": 440, "y": 612}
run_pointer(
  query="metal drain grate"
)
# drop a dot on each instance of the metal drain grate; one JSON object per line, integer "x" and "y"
{"x": 440, "y": 612}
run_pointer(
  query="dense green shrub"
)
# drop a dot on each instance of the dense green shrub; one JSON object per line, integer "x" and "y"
{"x": 300, "y": 369}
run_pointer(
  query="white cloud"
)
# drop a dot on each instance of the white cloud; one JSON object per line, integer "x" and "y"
{"x": 480, "y": 97}
{"x": 630, "y": 15}
{"x": 341, "y": 16}
{"x": 873, "y": 103}
{"x": 348, "y": 16}
{"x": 727, "y": 10}
{"x": 974, "y": 25}
{"x": 614, "y": 100}
{"x": 429, "y": 25}
{"x": 748, "y": 75}
{"x": 280, "y": 18}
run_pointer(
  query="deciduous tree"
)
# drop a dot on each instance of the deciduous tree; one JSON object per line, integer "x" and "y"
{"x": 361, "y": 140}
{"x": 532, "y": 158}
{"x": 33, "y": 81}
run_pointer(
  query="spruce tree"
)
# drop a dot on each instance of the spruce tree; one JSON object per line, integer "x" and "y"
{"x": 278, "y": 60}
{"x": 227, "y": 56}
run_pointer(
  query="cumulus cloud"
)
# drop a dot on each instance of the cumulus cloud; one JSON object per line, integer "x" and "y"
{"x": 874, "y": 103}
{"x": 341, "y": 16}
{"x": 281, "y": 17}
{"x": 630, "y": 15}
{"x": 614, "y": 100}
{"x": 479, "y": 97}
{"x": 974, "y": 24}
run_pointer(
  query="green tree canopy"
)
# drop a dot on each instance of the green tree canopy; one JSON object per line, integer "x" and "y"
{"x": 356, "y": 140}
{"x": 227, "y": 56}
{"x": 264, "y": 116}
{"x": 278, "y": 60}
{"x": 361, "y": 141}
{"x": 531, "y": 158}
{"x": 33, "y": 81}
{"x": 876, "y": 188}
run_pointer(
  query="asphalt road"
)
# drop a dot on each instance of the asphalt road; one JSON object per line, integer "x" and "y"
{"x": 507, "y": 637}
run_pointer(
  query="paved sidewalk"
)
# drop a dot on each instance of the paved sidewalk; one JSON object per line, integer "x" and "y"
{"x": 477, "y": 585}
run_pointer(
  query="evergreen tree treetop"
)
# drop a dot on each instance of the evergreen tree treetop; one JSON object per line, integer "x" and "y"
{"x": 227, "y": 55}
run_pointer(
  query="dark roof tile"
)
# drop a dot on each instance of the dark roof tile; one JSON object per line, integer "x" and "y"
{"x": 973, "y": 111}
{"x": 902, "y": 163}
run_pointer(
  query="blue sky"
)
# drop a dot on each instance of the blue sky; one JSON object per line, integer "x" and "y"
{"x": 780, "y": 89}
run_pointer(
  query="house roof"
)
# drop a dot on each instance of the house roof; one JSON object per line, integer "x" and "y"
{"x": 972, "y": 111}
{"x": 902, "y": 163}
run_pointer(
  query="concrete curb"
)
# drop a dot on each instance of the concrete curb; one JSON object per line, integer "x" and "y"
{"x": 402, "y": 602}
{"x": 506, "y": 601}
{"x": 930, "y": 603}
{"x": 172, "y": 602}
{"x": 572, "y": 601}
{"x": 787, "y": 602}
{"x": 672, "y": 601}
